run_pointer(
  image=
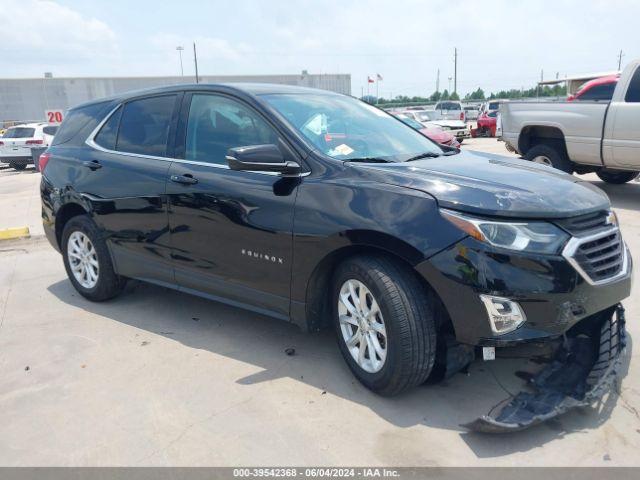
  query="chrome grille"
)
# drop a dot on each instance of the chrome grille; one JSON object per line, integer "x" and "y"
{"x": 598, "y": 258}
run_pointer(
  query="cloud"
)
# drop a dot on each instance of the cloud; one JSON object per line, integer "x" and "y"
{"x": 40, "y": 33}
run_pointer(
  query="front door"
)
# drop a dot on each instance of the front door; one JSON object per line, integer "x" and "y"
{"x": 622, "y": 135}
{"x": 231, "y": 231}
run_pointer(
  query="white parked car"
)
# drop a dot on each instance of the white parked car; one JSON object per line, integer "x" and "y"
{"x": 471, "y": 112}
{"x": 432, "y": 118}
{"x": 451, "y": 110}
{"x": 17, "y": 142}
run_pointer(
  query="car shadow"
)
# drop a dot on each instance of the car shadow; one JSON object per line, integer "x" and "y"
{"x": 626, "y": 196}
{"x": 262, "y": 341}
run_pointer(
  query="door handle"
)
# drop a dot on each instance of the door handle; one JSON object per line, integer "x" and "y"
{"x": 93, "y": 164}
{"x": 184, "y": 179}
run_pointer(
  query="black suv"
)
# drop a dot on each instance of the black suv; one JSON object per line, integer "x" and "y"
{"x": 319, "y": 209}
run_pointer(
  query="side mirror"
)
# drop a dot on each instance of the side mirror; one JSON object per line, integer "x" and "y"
{"x": 261, "y": 158}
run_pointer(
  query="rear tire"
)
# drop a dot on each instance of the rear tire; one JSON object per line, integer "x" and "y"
{"x": 550, "y": 156}
{"x": 87, "y": 260}
{"x": 18, "y": 166}
{"x": 616, "y": 177}
{"x": 406, "y": 313}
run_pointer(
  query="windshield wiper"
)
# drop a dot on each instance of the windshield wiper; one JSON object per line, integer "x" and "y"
{"x": 367, "y": 160}
{"x": 424, "y": 155}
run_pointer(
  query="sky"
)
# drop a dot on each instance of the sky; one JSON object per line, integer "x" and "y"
{"x": 501, "y": 44}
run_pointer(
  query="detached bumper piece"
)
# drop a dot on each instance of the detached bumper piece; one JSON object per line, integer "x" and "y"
{"x": 582, "y": 371}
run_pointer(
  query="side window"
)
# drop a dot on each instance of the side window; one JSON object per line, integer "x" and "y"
{"x": 217, "y": 124}
{"x": 144, "y": 126}
{"x": 633, "y": 93}
{"x": 108, "y": 134}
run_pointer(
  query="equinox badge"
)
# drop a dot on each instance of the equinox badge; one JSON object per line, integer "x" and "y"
{"x": 262, "y": 256}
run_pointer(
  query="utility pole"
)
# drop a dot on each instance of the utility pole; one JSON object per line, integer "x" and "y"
{"x": 438, "y": 81}
{"x": 620, "y": 55}
{"x": 180, "y": 49}
{"x": 455, "y": 69}
{"x": 195, "y": 61}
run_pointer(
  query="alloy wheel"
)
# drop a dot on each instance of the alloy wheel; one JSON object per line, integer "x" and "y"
{"x": 362, "y": 326}
{"x": 543, "y": 160}
{"x": 83, "y": 259}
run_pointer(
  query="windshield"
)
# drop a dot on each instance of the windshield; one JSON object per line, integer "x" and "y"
{"x": 20, "y": 132}
{"x": 344, "y": 128}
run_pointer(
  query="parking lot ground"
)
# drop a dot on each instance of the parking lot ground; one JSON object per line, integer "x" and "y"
{"x": 157, "y": 377}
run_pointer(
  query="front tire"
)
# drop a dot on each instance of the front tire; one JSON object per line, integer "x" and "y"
{"x": 87, "y": 260}
{"x": 551, "y": 156}
{"x": 616, "y": 177}
{"x": 384, "y": 320}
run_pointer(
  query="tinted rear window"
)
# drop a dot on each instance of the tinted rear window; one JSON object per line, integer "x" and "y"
{"x": 108, "y": 134}
{"x": 144, "y": 126}
{"x": 51, "y": 130}
{"x": 85, "y": 118}
{"x": 633, "y": 93}
{"x": 494, "y": 105}
{"x": 599, "y": 92}
{"x": 20, "y": 132}
{"x": 449, "y": 106}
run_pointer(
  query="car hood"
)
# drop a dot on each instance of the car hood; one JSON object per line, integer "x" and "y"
{"x": 492, "y": 185}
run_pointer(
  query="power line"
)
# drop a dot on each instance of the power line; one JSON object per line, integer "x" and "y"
{"x": 620, "y": 55}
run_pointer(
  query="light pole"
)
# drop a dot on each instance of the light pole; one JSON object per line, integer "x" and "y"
{"x": 180, "y": 49}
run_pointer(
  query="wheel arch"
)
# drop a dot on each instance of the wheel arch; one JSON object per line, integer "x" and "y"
{"x": 532, "y": 135}
{"x": 318, "y": 299}
{"x": 64, "y": 214}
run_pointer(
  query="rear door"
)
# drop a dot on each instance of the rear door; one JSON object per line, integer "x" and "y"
{"x": 621, "y": 146}
{"x": 231, "y": 231}
{"x": 124, "y": 177}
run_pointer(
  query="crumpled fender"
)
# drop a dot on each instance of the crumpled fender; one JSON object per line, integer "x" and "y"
{"x": 583, "y": 370}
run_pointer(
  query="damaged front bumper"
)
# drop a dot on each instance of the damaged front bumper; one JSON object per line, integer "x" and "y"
{"x": 582, "y": 371}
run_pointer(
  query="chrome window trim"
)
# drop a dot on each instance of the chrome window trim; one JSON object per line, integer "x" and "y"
{"x": 90, "y": 141}
{"x": 574, "y": 243}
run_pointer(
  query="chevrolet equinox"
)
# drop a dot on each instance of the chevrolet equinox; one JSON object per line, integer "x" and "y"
{"x": 322, "y": 210}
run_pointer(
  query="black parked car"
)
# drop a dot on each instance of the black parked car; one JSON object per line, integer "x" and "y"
{"x": 319, "y": 209}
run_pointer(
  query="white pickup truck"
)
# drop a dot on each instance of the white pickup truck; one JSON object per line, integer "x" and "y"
{"x": 581, "y": 137}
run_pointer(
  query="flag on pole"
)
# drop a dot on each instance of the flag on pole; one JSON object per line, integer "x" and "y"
{"x": 370, "y": 80}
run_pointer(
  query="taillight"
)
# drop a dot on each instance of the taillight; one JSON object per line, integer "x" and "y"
{"x": 1, "y": 143}
{"x": 34, "y": 142}
{"x": 43, "y": 160}
{"x": 462, "y": 116}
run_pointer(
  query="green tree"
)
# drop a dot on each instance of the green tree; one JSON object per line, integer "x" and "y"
{"x": 435, "y": 96}
{"x": 445, "y": 95}
{"x": 454, "y": 96}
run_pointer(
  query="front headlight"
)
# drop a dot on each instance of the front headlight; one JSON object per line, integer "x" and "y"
{"x": 535, "y": 237}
